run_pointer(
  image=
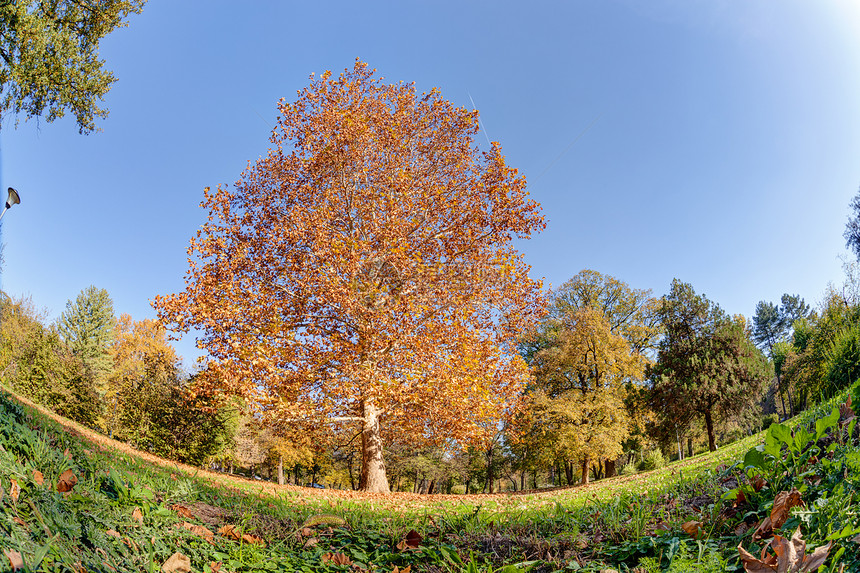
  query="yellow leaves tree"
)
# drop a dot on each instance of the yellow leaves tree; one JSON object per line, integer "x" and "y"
{"x": 363, "y": 271}
{"x": 589, "y": 349}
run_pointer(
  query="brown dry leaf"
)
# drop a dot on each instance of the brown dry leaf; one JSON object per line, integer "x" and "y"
{"x": 67, "y": 481}
{"x": 230, "y": 532}
{"x": 21, "y": 522}
{"x": 307, "y": 532}
{"x": 182, "y": 511}
{"x": 846, "y": 413}
{"x": 131, "y": 544}
{"x": 782, "y": 505}
{"x": 413, "y": 539}
{"x": 758, "y": 483}
{"x": 67, "y": 454}
{"x": 406, "y": 569}
{"x": 336, "y": 558}
{"x": 764, "y": 530}
{"x": 137, "y": 515}
{"x": 856, "y": 539}
{"x": 14, "y": 490}
{"x": 38, "y": 477}
{"x": 253, "y": 540}
{"x": 113, "y": 533}
{"x": 199, "y": 530}
{"x": 741, "y": 498}
{"x": 177, "y": 563}
{"x": 15, "y": 559}
{"x": 215, "y": 566}
{"x": 789, "y": 556}
{"x": 311, "y": 542}
{"x": 693, "y": 528}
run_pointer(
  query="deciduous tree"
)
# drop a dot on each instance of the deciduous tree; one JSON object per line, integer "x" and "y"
{"x": 49, "y": 57}
{"x": 591, "y": 346}
{"x": 363, "y": 271}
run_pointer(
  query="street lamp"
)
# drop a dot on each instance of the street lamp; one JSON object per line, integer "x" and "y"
{"x": 13, "y": 199}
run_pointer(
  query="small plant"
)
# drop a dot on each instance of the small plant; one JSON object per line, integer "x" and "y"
{"x": 629, "y": 469}
{"x": 652, "y": 461}
{"x": 769, "y": 420}
{"x": 706, "y": 560}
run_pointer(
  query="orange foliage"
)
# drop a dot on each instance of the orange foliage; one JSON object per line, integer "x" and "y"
{"x": 363, "y": 270}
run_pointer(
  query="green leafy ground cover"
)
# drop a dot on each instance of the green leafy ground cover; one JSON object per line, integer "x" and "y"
{"x": 124, "y": 513}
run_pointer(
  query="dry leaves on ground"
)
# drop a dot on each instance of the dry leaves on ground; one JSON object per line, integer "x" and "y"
{"x": 199, "y": 530}
{"x": 693, "y": 528}
{"x": 137, "y": 515}
{"x": 177, "y": 563}
{"x": 14, "y": 490}
{"x": 412, "y": 540}
{"x": 38, "y": 477}
{"x": 782, "y": 505}
{"x": 15, "y": 559}
{"x": 336, "y": 558}
{"x": 789, "y": 556}
{"x": 66, "y": 481}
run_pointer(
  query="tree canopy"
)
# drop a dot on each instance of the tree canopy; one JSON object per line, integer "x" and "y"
{"x": 706, "y": 362}
{"x": 87, "y": 327}
{"x": 49, "y": 57}
{"x": 363, "y": 271}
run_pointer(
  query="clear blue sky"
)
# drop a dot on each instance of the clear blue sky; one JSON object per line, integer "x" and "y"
{"x": 724, "y": 144}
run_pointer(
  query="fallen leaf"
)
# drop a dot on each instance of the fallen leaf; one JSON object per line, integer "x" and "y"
{"x": 789, "y": 556}
{"x": 199, "y": 530}
{"x": 182, "y": 511}
{"x": 113, "y": 533}
{"x": 215, "y": 566}
{"x": 758, "y": 483}
{"x": 137, "y": 515}
{"x": 38, "y": 477}
{"x": 177, "y": 563}
{"x": 253, "y": 540}
{"x": 413, "y": 538}
{"x": 311, "y": 542}
{"x": 230, "y": 531}
{"x": 306, "y": 532}
{"x": 67, "y": 481}
{"x": 406, "y": 569}
{"x": 336, "y": 558}
{"x": 782, "y": 504}
{"x": 693, "y": 528}
{"x": 14, "y": 490}
{"x": 15, "y": 559}
{"x": 67, "y": 454}
{"x": 21, "y": 522}
{"x": 764, "y": 530}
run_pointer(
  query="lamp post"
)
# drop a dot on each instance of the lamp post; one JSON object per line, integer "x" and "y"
{"x": 13, "y": 199}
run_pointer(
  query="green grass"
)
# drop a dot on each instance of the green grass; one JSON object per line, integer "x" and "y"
{"x": 622, "y": 522}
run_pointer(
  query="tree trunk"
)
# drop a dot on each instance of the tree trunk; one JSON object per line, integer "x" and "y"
{"x": 431, "y": 487}
{"x": 689, "y": 447}
{"x": 709, "y": 425}
{"x": 610, "y": 468}
{"x": 280, "y": 469}
{"x": 373, "y": 478}
{"x": 781, "y": 395}
{"x": 585, "y": 464}
{"x": 490, "y": 475}
{"x": 523, "y": 480}
{"x": 568, "y": 471}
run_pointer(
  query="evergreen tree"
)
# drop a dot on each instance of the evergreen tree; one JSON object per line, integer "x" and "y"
{"x": 87, "y": 328}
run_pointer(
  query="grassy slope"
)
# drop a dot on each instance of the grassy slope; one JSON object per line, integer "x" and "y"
{"x": 94, "y": 526}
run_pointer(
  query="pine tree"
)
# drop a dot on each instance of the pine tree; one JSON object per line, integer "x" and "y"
{"x": 87, "y": 328}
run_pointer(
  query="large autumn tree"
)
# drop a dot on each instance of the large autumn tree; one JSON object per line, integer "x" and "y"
{"x": 592, "y": 345}
{"x": 363, "y": 271}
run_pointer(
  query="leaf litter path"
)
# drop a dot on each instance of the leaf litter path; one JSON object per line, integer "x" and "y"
{"x": 611, "y": 487}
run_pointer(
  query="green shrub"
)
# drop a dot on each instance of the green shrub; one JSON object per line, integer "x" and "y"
{"x": 653, "y": 460}
{"x": 842, "y": 367}
{"x": 769, "y": 420}
{"x": 628, "y": 469}
{"x": 458, "y": 489}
